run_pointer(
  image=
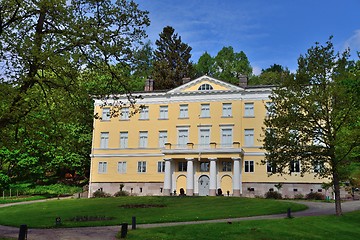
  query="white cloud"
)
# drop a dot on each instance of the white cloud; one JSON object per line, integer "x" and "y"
{"x": 354, "y": 41}
{"x": 256, "y": 70}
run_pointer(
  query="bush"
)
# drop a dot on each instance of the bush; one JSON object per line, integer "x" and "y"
{"x": 299, "y": 196}
{"x": 53, "y": 189}
{"x": 315, "y": 196}
{"x": 121, "y": 194}
{"x": 273, "y": 195}
{"x": 101, "y": 194}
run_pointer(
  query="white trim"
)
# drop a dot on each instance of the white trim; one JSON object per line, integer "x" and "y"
{"x": 127, "y": 155}
{"x": 254, "y": 154}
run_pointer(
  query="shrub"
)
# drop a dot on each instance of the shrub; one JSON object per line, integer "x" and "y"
{"x": 101, "y": 194}
{"x": 315, "y": 196}
{"x": 273, "y": 195}
{"x": 299, "y": 196}
{"x": 53, "y": 189}
{"x": 121, "y": 193}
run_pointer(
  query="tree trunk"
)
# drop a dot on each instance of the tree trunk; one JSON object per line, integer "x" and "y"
{"x": 337, "y": 194}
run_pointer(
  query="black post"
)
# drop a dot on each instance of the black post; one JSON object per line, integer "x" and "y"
{"x": 124, "y": 229}
{"x": 23, "y": 232}
{"x": 133, "y": 223}
{"x": 289, "y": 213}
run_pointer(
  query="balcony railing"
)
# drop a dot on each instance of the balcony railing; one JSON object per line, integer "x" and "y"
{"x": 212, "y": 145}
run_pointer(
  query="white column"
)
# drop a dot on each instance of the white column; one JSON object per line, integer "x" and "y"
{"x": 212, "y": 188}
{"x": 190, "y": 177}
{"x": 167, "y": 179}
{"x": 237, "y": 177}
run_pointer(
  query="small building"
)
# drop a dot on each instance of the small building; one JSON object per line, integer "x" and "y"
{"x": 202, "y": 136}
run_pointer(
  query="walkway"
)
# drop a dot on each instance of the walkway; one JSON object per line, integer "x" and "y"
{"x": 109, "y": 232}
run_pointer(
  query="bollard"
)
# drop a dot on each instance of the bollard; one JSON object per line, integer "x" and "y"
{"x": 23, "y": 232}
{"x": 289, "y": 213}
{"x": 124, "y": 229}
{"x": 133, "y": 223}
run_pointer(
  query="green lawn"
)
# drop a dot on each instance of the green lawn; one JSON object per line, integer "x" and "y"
{"x": 324, "y": 227}
{"x": 20, "y": 199}
{"x": 153, "y": 210}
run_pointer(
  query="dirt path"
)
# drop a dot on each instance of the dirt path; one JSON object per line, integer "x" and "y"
{"x": 109, "y": 232}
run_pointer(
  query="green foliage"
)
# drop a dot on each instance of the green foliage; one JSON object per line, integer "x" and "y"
{"x": 101, "y": 194}
{"x": 53, "y": 189}
{"x": 121, "y": 193}
{"x": 273, "y": 195}
{"x": 315, "y": 196}
{"x": 274, "y": 75}
{"x": 314, "y": 118}
{"x": 171, "y": 60}
{"x": 205, "y": 65}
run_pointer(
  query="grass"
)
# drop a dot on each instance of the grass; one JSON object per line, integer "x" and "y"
{"x": 314, "y": 228}
{"x": 20, "y": 199}
{"x": 43, "y": 215}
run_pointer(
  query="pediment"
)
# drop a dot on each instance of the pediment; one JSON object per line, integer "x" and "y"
{"x": 205, "y": 84}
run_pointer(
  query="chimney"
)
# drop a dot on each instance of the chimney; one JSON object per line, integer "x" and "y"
{"x": 243, "y": 81}
{"x": 149, "y": 85}
{"x": 185, "y": 80}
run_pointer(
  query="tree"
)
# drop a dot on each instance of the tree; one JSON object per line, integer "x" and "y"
{"x": 230, "y": 65}
{"x": 205, "y": 65}
{"x": 273, "y": 75}
{"x": 53, "y": 55}
{"x": 171, "y": 60}
{"x": 314, "y": 118}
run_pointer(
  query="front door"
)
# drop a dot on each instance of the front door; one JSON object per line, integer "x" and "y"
{"x": 204, "y": 185}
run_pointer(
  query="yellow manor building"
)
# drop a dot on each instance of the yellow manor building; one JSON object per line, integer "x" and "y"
{"x": 199, "y": 138}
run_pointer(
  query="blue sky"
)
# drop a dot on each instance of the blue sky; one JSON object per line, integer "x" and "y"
{"x": 268, "y": 31}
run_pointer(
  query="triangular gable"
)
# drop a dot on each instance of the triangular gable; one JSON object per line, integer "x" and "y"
{"x": 217, "y": 85}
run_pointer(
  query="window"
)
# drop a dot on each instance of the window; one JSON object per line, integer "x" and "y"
{"x": 204, "y": 138}
{"x": 104, "y": 140}
{"x": 183, "y": 135}
{"x": 124, "y": 115}
{"x": 124, "y": 139}
{"x": 205, "y": 110}
{"x": 226, "y": 110}
{"x": 270, "y": 167}
{"x": 226, "y": 166}
{"x": 102, "y": 167}
{"x": 141, "y": 166}
{"x": 143, "y": 139}
{"x": 161, "y": 166}
{"x": 144, "y": 113}
{"x": 121, "y": 167}
{"x": 163, "y": 112}
{"x": 226, "y": 137}
{"x": 105, "y": 114}
{"x": 268, "y": 107}
{"x": 318, "y": 166}
{"x": 295, "y": 166}
{"x": 249, "y": 110}
{"x": 249, "y": 166}
{"x": 249, "y": 137}
{"x": 204, "y": 166}
{"x": 182, "y": 166}
{"x": 162, "y": 138}
{"x": 318, "y": 139}
{"x": 184, "y": 111}
{"x": 205, "y": 87}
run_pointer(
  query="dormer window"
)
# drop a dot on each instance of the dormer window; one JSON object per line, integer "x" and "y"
{"x": 205, "y": 87}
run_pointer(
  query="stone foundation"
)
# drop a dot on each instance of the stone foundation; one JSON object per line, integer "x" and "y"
{"x": 136, "y": 189}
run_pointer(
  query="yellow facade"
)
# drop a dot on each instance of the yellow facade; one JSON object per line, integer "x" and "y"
{"x": 202, "y": 136}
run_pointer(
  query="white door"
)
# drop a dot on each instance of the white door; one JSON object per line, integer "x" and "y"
{"x": 204, "y": 185}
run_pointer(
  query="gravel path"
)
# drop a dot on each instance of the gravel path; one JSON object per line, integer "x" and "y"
{"x": 109, "y": 232}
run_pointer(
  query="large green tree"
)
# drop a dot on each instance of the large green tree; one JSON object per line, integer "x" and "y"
{"x": 171, "y": 60}
{"x": 205, "y": 65}
{"x": 53, "y": 55}
{"x": 273, "y": 75}
{"x": 315, "y": 118}
{"x": 230, "y": 65}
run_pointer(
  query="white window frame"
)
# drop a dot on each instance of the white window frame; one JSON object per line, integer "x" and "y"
{"x": 144, "y": 113}
{"x": 204, "y": 166}
{"x": 124, "y": 139}
{"x": 143, "y": 139}
{"x": 226, "y": 140}
{"x": 249, "y": 137}
{"x": 104, "y": 140}
{"x": 182, "y": 166}
{"x": 204, "y": 137}
{"x": 122, "y": 167}
{"x": 141, "y": 167}
{"x": 205, "y": 110}
{"x": 162, "y": 138}
{"x": 182, "y": 137}
{"x": 102, "y": 167}
{"x": 105, "y": 114}
{"x": 184, "y": 111}
{"x": 164, "y": 112}
{"x": 161, "y": 167}
{"x": 226, "y": 166}
{"x": 249, "y": 110}
{"x": 124, "y": 115}
{"x": 249, "y": 166}
{"x": 227, "y": 110}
